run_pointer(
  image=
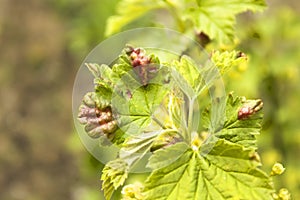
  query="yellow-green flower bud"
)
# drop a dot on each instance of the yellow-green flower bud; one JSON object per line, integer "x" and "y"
{"x": 277, "y": 169}
{"x": 133, "y": 192}
{"x": 284, "y": 194}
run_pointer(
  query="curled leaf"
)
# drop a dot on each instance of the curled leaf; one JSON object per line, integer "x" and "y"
{"x": 144, "y": 66}
{"x": 97, "y": 118}
{"x": 249, "y": 108}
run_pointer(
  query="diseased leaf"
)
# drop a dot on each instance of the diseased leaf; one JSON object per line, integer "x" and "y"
{"x": 237, "y": 130}
{"x": 227, "y": 172}
{"x": 157, "y": 120}
{"x": 97, "y": 116}
{"x": 95, "y": 111}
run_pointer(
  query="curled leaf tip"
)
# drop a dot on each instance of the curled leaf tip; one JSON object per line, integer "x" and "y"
{"x": 249, "y": 108}
{"x": 144, "y": 66}
{"x": 241, "y": 54}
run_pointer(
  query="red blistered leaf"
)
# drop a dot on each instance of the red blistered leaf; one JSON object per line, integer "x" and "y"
{"x": 98, "y": 121}
{"x": 249, "y": 108}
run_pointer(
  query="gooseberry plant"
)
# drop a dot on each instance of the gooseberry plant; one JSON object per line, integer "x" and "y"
{"x": 149, "y": 107}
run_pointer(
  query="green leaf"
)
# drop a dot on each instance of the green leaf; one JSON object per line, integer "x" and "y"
{"x": 135, "y": 147}
{"x": 113, "y": 176}
{"x": 240, "y": 131}
{"x": 118, "y": 137}
{"x": 105, "y": 80}
{"x": 123, "y": 65}
{"x": 227, "y": 172}
{"x": 193, "y": 78}
{"x": 103, "y": 75}
{"x": 176, "y": 110}
{"x": 128, "y": 11}
{"x": 227, "y": 59}
{"x": 234, "y": 6}
{"x": 164, "y": 157}
{"x": 137, "y": 111}
{"x": 216, "y": 18}
{"x": 215, "y": 24}
{"x": 187, "y": 76}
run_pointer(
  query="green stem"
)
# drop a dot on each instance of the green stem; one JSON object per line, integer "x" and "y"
{"x": 190, "y": 118}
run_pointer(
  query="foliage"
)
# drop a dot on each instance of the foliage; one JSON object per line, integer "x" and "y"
{"x": 222, "y": 174}
{"x": 273, "y": 74}
{"x": 214, "y": 18}
{"x": 67, "y": 30}
{"x": 197, "y": 158}
{"x": 113, "y": 176}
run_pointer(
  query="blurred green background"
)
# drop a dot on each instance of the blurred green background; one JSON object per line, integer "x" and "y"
{"x": 42, "y": 44}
